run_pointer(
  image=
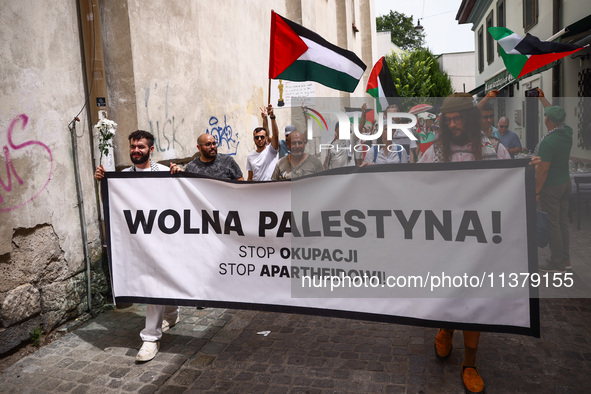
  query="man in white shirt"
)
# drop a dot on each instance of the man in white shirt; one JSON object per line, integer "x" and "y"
{"x": 260, "y": 163}
{"x": 159, "y": 318}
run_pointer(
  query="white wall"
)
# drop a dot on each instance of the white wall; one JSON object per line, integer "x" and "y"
{"x": 41, "y": 252}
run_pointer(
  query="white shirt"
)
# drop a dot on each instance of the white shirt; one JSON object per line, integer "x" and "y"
{"x": 262, "y": 164}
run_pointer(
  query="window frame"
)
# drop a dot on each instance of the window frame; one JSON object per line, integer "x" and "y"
{"x": 480, "y": 44}
{"x": 490, "y": 43}
{"x": 528, "y": 24}
{"x": 501, "y": 19}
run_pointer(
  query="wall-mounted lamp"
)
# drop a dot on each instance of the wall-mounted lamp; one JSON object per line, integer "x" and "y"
{"x": 418, "y": 27}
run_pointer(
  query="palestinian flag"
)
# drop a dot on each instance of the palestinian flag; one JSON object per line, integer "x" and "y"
{"x": 355, "y": 113}
{"x": 524, "y": 55}
{"x": 299, "y": 54}
{"x": 381, "y": 86}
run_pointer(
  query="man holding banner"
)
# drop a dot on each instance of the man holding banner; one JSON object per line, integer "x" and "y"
{"x": 159, "y": 318}
{"x": 210, "y": 163}
{"x": 298, "y": 163}
{"x": 460, "y": 139}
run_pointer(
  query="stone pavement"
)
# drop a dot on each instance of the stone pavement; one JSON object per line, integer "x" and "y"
{"x": 217, "y": 350}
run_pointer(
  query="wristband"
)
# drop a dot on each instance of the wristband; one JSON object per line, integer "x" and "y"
{"x": 272, "y": 117}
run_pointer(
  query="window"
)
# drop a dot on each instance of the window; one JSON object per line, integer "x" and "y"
{"x": 500, "y": 18}
{"x": 490, "y": 52}
{"x": 480, "y": 50}
{"x": 530, "y": 13}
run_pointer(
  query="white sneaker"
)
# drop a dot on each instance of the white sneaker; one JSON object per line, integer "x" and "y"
{"x": 568, "y": 265}
{"x": 169, "y": 323}
{"x": 147, "y": 351}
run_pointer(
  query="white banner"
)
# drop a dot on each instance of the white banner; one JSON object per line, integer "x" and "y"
{"x": 424, "y": 244}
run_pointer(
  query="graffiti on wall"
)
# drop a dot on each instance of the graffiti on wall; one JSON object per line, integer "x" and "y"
{"x": 11, "y": 178}
{"x": 164, "y": 128}
{"x": 223, "y": 135}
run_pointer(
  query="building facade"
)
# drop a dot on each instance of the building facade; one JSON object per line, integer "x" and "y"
{"x": 566, "y": 82}
{"x": 175, "y": 68}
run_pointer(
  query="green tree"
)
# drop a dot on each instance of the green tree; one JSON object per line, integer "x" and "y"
{"x": 402, "y": 30}
{"x": 417, "y": 76}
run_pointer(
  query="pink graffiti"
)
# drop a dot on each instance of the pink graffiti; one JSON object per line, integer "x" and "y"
{"x": 11, "y": 171}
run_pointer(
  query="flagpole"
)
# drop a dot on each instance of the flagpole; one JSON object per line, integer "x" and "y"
{"x": 269, "y": 101}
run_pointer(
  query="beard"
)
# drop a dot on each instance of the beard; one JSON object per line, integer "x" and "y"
{"x": 141, "y": 159}
{"x": 460, "y": 140}
{"x": 209, "y": 154}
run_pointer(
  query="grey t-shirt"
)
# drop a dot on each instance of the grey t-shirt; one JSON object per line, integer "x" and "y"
{"x": 222, "y": 167}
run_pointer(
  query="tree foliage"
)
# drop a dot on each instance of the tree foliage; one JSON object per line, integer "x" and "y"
{"x": 417, "y": 74}
{"x": 402, "y": 30}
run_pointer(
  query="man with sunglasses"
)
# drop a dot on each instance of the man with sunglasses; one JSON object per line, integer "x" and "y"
{"x": 461, "y": 139}
{"x": 509, "y": 139}
{"x": 488, "y": 117}
{"x": 211, "y": 163}
{"x": 261, "y": 162}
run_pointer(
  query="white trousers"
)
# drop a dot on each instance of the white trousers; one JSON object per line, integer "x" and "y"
{"x": 154, "y": 316}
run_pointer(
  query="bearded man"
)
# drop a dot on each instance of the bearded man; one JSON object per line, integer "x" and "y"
{"x": 461, "y": 139}
{"x": 159, "y": 318}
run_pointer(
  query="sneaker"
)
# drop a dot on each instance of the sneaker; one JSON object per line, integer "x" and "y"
{"x": 169, "y": 323}
{"x": 568, "y": 265}
{"x": 147, "y": 351}
{"x": 473, "y": 383}
{"x": 547, "y": 267}
{"x": 443, "y": 344}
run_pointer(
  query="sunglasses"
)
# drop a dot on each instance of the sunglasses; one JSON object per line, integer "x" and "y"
{"x": 503, "y": 127}
{"x": 259, "y": 137}
{"x": 209, "y": 144}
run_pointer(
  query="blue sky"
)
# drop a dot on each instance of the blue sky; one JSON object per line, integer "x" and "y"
{"x": 442, "y": 32}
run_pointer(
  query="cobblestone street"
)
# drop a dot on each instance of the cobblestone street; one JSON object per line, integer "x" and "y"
{"x": 217, "y": 350}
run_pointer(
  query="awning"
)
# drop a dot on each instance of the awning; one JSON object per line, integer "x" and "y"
{"x": 498, "y": 81}
{"x": 477, "y": 91}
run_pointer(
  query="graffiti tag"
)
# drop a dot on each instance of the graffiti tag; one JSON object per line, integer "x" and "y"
{"x": 223, "y": 135}
{"x": 164, "y": 131}
{"x": 11, "y": 171}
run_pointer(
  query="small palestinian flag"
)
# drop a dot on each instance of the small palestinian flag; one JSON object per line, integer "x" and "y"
{"x": 299, "y": 54}
{"x": 355, "y": 113}
{"x": 524, "y": 55}
{"x": 381, "y": 86}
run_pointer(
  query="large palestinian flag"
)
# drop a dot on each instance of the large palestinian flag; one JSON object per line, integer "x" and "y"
{"x": 381, "y": 86}
{"x": 527, "y": 54}
{"x": 299, "y": 54}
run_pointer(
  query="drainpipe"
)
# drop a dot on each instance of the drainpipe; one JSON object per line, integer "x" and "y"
{"x": 91, "y": 46}
{"x": 80, "y": 204}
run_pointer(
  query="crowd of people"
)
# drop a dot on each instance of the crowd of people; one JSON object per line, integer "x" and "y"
{"x": 464, "y": 132}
